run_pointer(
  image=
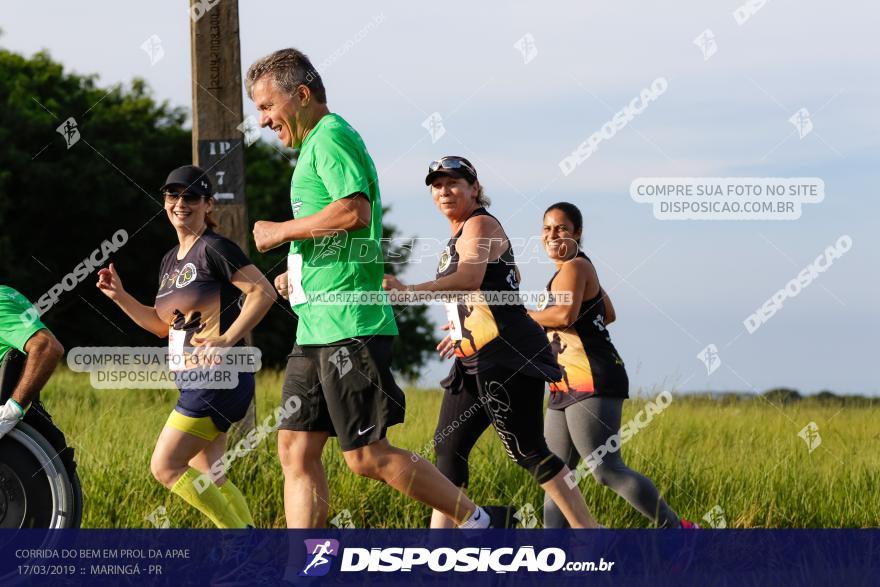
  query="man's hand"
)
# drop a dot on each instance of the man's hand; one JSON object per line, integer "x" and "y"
{"x": 281, "y": 285}
{"x": 268, "y": 235}
{"x": 10, "y": 415}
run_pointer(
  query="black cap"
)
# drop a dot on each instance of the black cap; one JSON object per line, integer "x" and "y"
{"x": 467, "y": 171}
{"x": 193, "y": 179}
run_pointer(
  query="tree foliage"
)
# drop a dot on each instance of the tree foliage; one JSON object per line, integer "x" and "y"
{"x": 57, "y": 204}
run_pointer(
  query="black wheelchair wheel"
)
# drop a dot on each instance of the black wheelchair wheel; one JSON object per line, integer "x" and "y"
{"x": 36, "y": 489}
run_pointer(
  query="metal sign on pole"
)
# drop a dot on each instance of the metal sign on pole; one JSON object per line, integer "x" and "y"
{"x": 217, "y": 134}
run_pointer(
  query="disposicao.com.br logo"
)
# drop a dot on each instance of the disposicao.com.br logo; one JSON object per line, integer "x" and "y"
{"x": 442, "y": 560}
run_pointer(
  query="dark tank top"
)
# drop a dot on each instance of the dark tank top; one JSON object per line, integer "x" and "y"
{"x": 590, "y": 364}
{"x": 491, "y": 333}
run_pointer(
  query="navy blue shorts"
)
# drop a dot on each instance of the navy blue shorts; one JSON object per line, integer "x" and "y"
{"x": 223, "y": 406}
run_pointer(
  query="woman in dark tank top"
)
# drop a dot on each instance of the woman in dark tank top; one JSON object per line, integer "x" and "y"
{"x": 586, "y": 401}
{"x": 502, "y": 360}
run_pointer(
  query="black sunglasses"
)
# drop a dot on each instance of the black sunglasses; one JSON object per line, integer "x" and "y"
{"x": 188, "y": 197}
{"x": 450, "y": 163}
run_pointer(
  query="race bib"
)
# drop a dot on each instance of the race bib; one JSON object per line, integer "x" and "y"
{"x": 454, "y": 320}
{"x": 176, "y": 356}
{"x": 295, "y": 293}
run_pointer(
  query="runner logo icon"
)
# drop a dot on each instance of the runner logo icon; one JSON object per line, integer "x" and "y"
{"x": 319, "y": 556}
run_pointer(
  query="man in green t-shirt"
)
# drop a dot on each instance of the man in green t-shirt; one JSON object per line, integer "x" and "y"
{"x": 21, "y": 329}
{"x": 340, "y": 365}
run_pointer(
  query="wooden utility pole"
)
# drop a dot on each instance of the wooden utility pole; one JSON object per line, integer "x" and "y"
{"x": 217, "y": 137}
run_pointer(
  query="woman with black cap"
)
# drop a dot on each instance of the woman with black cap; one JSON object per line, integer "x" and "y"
{"x": 201, "y": 283}
{"x": 501, "y": 357}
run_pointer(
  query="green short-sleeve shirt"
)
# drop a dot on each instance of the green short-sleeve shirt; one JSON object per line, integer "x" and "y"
{"x": 333, "y": 164}
{"x": 19, "y": 320}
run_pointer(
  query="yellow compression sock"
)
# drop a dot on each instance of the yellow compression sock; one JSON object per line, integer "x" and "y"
{"x": 210, "y": 500}
{"x": 237, "y": 502}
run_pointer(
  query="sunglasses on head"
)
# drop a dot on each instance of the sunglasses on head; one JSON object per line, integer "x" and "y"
{"x": 450, "y": 163}
{"x": 190, "y": 198}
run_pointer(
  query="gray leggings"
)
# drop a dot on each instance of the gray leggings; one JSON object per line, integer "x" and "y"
{"x": 575, "y": 432}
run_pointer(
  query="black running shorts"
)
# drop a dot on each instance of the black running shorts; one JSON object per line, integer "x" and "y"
{"x": 346, "y": 389}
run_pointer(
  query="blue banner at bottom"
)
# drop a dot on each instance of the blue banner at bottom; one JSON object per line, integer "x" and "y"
{"x": 528, "y": 557}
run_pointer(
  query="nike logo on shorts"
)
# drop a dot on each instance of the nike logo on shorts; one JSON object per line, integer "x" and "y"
{"x": 362, "y": 432}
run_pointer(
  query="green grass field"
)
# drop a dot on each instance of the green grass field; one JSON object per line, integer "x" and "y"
{"x": 742, "y": 455}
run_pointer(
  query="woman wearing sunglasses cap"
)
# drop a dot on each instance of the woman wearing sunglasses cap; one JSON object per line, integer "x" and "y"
{"x": 587, "y": 400}
{"x": 501, "y": 357}
{"x": 198, "y": 305}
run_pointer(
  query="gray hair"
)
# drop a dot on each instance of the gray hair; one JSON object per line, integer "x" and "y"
{"x": 288, "y": 69}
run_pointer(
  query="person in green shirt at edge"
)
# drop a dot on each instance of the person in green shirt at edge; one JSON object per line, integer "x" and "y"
{"x": 340, "y": 364}
{"x": 21, "y": 329}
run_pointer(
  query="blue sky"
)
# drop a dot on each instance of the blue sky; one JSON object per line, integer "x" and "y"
{"x": 677, "y": 285}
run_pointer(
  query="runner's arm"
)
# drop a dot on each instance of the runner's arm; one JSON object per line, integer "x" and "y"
{"x": 479, "y": 237}
{"x": 345, "y": 214}
{"x": 571, "y": 280}
{"x": 43, "y": 353}
{"x": 610, "y": 314}
{"x": 259, "y": 297}
{"x": 144, "y": 316}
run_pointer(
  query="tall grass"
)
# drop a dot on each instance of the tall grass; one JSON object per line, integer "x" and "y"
{"x": 742, "y": 455}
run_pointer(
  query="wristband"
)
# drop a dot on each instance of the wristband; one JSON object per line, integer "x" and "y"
{"x": 18, "y": 405}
